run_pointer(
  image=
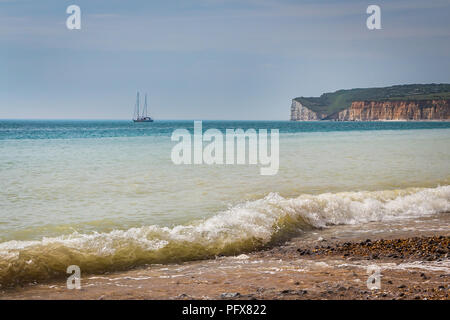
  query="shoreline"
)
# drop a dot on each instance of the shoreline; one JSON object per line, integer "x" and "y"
{"x": 299, "y": 269}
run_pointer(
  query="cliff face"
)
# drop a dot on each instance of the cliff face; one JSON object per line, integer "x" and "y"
{"x": 395, "y": 110}
{"x": 301, "y": 113}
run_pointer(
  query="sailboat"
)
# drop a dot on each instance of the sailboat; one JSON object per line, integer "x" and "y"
{"x": 138, "y": 117}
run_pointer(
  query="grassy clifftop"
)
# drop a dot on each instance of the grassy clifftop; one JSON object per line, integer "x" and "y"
{"x": 329, "y": 103}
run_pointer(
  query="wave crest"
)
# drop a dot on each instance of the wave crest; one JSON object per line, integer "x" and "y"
{"x": 241, "y": 228}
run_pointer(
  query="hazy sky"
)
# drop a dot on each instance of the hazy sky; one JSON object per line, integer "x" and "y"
{"x": 209, "y": 59}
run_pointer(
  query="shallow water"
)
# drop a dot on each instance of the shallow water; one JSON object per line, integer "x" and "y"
{"x": 106, "y": 195}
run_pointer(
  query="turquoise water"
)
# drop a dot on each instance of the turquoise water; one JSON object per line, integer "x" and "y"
{"x": 70, "y": 129}
{"x": 105, "y": 195}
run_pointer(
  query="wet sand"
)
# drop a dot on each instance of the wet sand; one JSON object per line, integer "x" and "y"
{"x": 329, "y": 264}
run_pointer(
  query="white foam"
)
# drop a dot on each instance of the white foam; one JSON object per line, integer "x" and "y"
{"x": 260, "y": 219}
{"x": 241, "y": 227}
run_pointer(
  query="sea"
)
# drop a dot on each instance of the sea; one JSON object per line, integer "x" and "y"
{"x": 105, "y": 195}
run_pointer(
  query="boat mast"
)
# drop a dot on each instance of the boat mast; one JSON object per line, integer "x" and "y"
{"x": 144, "y": 111}
{"x": 137, "y": 106}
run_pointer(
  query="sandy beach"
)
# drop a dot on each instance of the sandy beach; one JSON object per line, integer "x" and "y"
{"x": 329, "y": 264}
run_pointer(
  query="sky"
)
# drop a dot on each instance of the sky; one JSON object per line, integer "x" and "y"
{"x": 209, "y": 59}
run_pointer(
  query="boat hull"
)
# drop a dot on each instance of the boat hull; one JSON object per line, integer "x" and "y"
{"x": 142, "y": 120}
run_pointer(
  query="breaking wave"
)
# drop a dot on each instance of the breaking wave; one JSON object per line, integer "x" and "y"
{"x": 242, "y": 228}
